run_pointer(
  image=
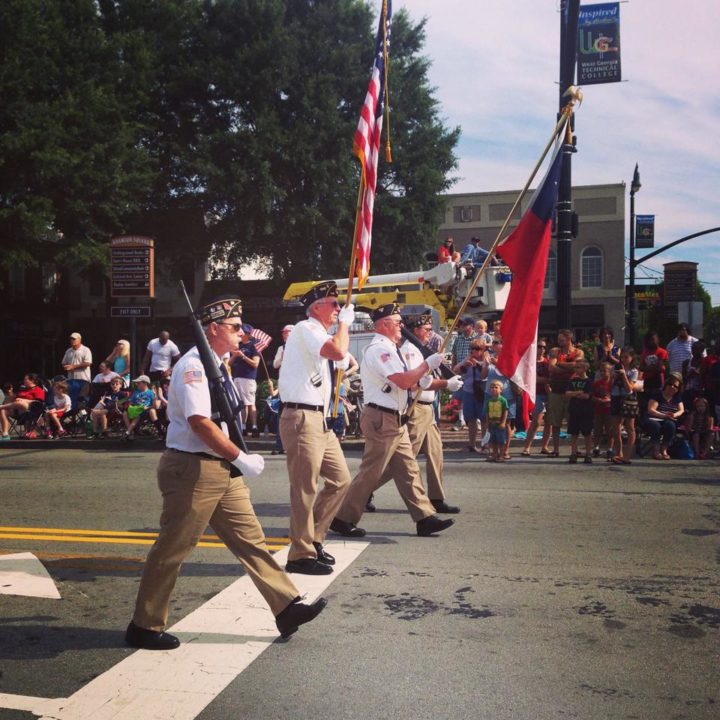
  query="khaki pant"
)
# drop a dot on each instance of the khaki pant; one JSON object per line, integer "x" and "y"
{"x": 425, "y": 438}
{"x": 197, "y": 492}
{"x": 387, "y": 445}
{"x": 312, "y": 452}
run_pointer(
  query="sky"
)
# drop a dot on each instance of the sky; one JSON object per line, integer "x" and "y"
{"x": 495, "y": 67}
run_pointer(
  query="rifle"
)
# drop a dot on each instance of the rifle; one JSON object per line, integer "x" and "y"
{"x": 446, "y": 372}
{"x": 221, "y": 403}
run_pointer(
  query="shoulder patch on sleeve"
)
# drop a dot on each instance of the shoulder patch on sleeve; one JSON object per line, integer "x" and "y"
{"x": 192, "y": 376}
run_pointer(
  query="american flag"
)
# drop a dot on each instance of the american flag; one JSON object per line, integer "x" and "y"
{"x": 367, "y": 144}
{"x": 262, "y": 339}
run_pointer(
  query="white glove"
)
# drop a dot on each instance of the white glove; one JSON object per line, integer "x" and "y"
{"x": 435, "y": 361}
{"x": 249, "y": 465}
{"x": 425, "y": 382}
{"x": 347, "y": 314}
{"x": 454, "y": 383}
{"x": 343, "y": 364}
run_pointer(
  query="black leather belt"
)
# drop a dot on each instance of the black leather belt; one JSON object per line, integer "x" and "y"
{"x": 204, "y": 455}
{"x": 303, "y": 406}
{"x": 402, "y": 419}
{"x": 422, "y": 402}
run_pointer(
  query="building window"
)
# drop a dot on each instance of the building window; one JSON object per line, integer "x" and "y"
{"x": 591, "y": 268}
{"x": 551, "y": 271}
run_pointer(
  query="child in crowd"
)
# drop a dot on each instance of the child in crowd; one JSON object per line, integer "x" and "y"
{"x": 7, "y": 393}
{"x": 602, "y": 421}
{"x": 624, "y": 406}
{"x": 700, "y": 425}
{"x": 141, "y": 401}
{"x": 580, "y": 411}
{"x": 61, "y": 405}
{"x": 108, "y": 405}
{"x": 509, "y": 391}
{"x": 496, "y": 415}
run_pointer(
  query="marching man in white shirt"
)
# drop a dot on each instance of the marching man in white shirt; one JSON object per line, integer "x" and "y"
{"x": 306, "y": 384}
{"x": 422, "y": 428}
{"x": 198, "y": 490}
{"x": 386, "y": 384}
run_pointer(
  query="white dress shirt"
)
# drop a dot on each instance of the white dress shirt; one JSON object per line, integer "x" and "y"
{"x": 414, "y": 358}
{"x": 302, "y": 362}
{"x": 381, "y": 360}
{"x": 189, "y": 394}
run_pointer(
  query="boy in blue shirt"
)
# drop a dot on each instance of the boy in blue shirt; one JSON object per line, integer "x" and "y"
{"x": 141, "y": 401}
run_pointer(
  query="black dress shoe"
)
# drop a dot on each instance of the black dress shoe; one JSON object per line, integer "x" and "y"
{"x": 323, "y": 557}
{"x": 347, "y": 529}
{"x": 296, "y": 614}
{"x": 308, "y": 566}
{"x": 442, "y": 507}
{"x": 429, "y": 525}
{"x": 138, "y": 637}
{"x": 370, "y": 505}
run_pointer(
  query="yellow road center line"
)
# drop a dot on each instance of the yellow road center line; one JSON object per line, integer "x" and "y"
{"x": 32, "y": 533}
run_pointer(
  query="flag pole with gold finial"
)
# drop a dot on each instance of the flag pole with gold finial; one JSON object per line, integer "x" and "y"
{"x": 354, "y": 271}
{"x": 562, "y": 126}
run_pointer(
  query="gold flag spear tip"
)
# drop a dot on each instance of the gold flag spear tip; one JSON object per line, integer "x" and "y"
{"x": 575, "y": 94}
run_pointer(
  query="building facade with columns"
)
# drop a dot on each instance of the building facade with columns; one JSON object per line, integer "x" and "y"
{"x": 598, "y": 251}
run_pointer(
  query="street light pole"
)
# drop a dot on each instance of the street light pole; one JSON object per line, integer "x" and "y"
{"x": 634, "y": 187}
{"x": 569, "y": 13}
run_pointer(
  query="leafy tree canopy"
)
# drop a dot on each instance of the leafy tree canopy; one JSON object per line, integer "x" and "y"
{"x": 220, "y": 127}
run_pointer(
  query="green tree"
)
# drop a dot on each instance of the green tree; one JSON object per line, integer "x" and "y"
{"x": 209, "y": 124}
{"x": 69, "y": 161}
{"x": 307, "y": 231}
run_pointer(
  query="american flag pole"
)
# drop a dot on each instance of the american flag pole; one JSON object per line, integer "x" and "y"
{"x": 366, "y": 144}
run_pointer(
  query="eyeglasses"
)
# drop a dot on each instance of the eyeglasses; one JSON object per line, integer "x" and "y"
{"x": 542, "y": 347}
{"x": 334, "y": 304}
{"x": 476, "y": 349}
{"x": 236, "y": 327}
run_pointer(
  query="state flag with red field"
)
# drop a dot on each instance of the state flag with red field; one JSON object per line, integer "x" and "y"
{"x": 525, "y": 251}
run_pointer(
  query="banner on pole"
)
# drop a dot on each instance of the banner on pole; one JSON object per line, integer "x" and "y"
{"x": 599, "y": 44}
{"x": 644, "y": 231}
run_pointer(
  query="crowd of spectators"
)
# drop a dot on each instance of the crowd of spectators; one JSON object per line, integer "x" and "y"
{"x": 664, "y": 401}
{"x": 606, "y": 394}
{"x": 92, "y": 403}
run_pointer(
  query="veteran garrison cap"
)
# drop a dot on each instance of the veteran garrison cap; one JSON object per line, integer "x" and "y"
{"x": 385, "y": 311}
{"x": 220, "y": 308}
{"x": 416, "y": 321}
{"x": 322, "y": 290}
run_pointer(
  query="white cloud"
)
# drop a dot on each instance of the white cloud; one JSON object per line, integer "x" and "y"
{"x": 495, "y": 67}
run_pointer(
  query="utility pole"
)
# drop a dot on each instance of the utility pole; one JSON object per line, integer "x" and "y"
{"x": 631, "y": 315}
{"x": 569, "y": 12}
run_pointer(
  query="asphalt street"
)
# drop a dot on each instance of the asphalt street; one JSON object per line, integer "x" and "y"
{"x": 561, "y": 592}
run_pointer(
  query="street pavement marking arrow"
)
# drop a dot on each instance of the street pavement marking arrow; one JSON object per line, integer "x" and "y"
{"x": 219, "y": 640}
{"x": 23, "y": 574}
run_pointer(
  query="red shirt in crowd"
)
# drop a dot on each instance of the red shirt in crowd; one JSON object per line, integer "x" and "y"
{"x": 652, "y": 365}
{"x": 601, "y": 396}
{"x": 33, "y": 393}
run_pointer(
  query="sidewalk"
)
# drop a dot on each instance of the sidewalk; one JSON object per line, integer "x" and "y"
{"x": 266, "y": 444}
